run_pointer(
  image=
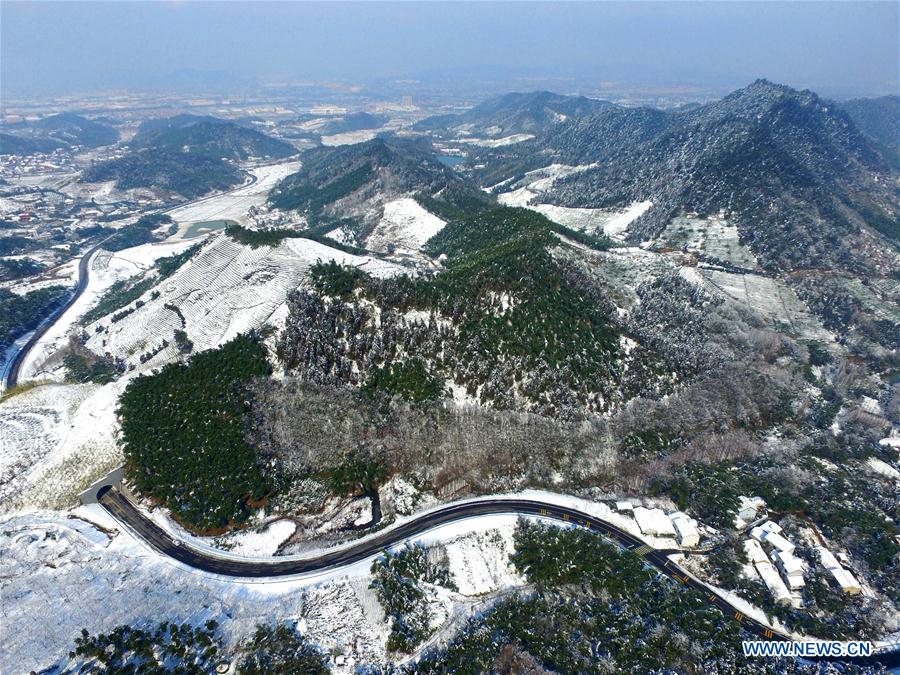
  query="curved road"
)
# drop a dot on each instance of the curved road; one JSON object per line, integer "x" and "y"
{"x": 12, "y": 371}
{"x": 124, "y": 511}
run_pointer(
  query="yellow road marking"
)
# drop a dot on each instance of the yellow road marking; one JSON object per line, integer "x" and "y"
{"x": 767, "y": 633}
{"x": 738, "y": 616}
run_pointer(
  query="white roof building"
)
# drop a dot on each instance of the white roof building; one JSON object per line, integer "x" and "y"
{"x": 685, "y": 529}
{"x": 767, "y": 572}
{"x": 750, "y": 508}
{"x": 654, "y": 522}
{"x": 755, "y": 553}
{"x": 779, "y": 542}
{"x": 773, "y": 582}
{"x": 791, "y": 568}
{"x": 842, "y": 576}
{"x": 772, "y": 538}
{"x": 771, "y": 526}
{"x": 846, "y": 581}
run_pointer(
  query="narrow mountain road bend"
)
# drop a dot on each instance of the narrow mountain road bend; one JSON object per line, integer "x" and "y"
{"x": 15, "y": 365}
{"x": 12, "y": 373}
{"x": 124, "y": 511}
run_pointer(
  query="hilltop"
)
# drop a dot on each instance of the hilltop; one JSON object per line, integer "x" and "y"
{"x": 208, "y": 137}
{"x": 56, "y": 131}
{"x": 515, "y": 113}
{"x": 791, "y": 171}
{"x": 349, "y": 186}
{"x": 187, "y": 154}
{"x": 188, "y": 175}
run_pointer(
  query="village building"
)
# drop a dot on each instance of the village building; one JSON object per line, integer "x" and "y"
{"x": 685, "y": 529}
{"x": 791, "y": 569}
{"x": 654, "y": 522}
{"x": 767, "y": 572}
{"x": 842, "y": 576}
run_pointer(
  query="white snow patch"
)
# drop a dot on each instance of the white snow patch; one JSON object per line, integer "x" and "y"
{"x": 497, "y": 142}
{"x": 883, "y": 468}
{"x": 519, "y": 197}
{"x": 405, "y": 225}
{"x": 350, "y": 137}
{"x": 617, "y": 226}
{"x": 262, "y": 542}
{"x": 479, "y": 562}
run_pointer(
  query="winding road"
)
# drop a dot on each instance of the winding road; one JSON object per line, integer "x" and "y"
{"x": 15, "y": 365}
{"x": 126, "y": 513}
{"x": 12, "y": 372}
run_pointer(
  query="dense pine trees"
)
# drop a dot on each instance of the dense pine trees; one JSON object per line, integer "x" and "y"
{"x": 183, "y": 435}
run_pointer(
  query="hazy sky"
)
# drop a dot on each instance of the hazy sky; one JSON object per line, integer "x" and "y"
{"x": 833, "y": 47}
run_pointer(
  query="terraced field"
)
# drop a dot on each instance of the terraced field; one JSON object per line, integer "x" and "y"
{"x": 227, "y": 289}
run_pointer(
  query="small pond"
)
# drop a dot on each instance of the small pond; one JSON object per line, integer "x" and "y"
{"x": 450, "y": 160}
{"x": 205, "y": 227}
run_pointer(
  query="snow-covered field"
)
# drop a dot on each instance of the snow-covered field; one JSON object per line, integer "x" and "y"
{"x": 31, "y": 425}
{"x": 234, "y": 205}
{"x": 714, "y": 237}
{"x": 103, "y": 580}
{"x": 350, "y": 137}
{"x": 77, "y": 443}
{"x": 404, "y": 225}
{"x": 497, "y": 142}
{"x": 771, "y": 299}
{"x": 58, "y": 275}
{"x": 227, "y": 289}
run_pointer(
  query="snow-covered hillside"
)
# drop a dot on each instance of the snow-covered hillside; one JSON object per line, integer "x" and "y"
{"x": 529, "y": 192}
{"x": 104, "y": 269}
{"x": 226, "y": 289}
{"x": 405, "y": 225}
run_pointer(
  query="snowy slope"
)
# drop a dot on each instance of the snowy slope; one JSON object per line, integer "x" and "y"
{"x": 31, "y": 425}
{"x": 226, "y": 290}
{"x": 104, "y": 270}
{"x": 530, "y": 190}
{"x": 405, "y": 225}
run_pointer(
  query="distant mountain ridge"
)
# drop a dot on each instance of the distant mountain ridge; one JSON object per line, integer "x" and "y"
{"x": 11, "y": 144}
{"x": 209, "y": 136}
{"x": 189, "y": 175}
{"x": 788, "y": 168}
{"x": 516, "y": 113}
{"x": 354, "y": 181}
{"x": 55, "y": 131}
{"x": 879, "y": 119}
